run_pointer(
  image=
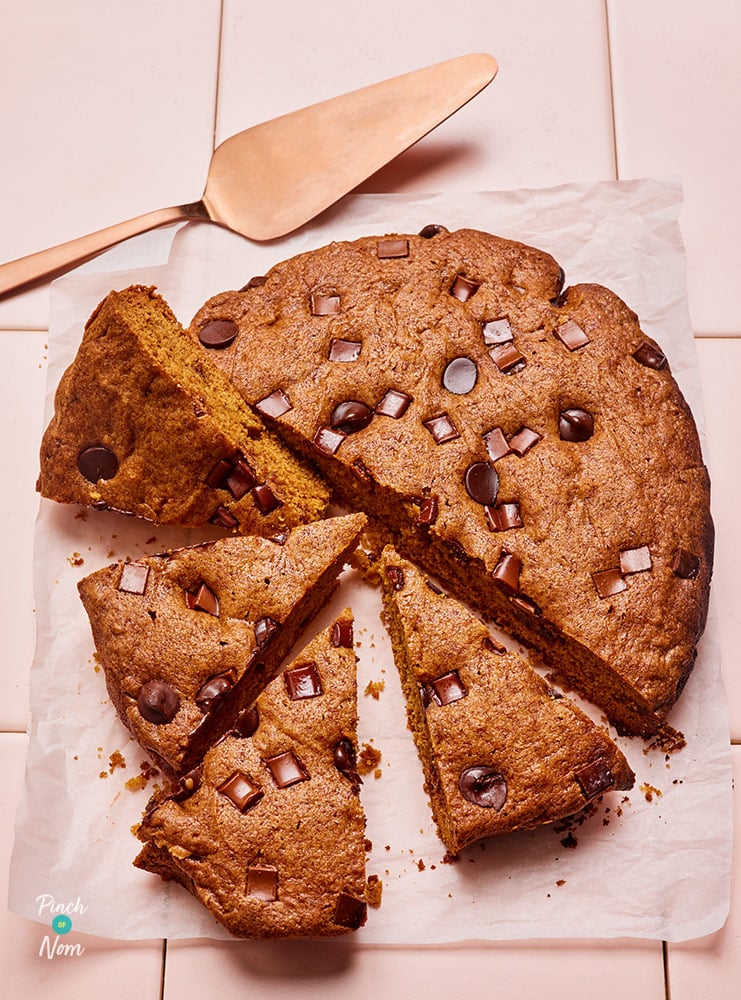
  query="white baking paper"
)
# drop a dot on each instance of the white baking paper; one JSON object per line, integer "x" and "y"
{"x": 652, "y": 863}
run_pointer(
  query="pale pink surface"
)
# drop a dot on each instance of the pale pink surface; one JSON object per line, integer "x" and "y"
{"x": 113, "y": 113}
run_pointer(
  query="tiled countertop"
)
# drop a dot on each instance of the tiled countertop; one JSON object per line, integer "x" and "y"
{"x": 112, "y": 110}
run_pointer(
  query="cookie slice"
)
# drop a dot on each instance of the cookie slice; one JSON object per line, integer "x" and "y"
{"x": 269, "y": 832}
{"x": 500, "y": 750}
{"x": 189, "y": 638}
{"x": 143, "y": 423}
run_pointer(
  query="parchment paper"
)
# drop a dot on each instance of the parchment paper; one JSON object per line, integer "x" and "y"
{"x": 654, "y": 863}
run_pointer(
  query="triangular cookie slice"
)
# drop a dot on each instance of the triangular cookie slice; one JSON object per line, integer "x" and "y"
{"x": 188, "y": 638}
{"x": 269, "y": 833}
{"x": 144, "y": 423}
{"x": 500, "y": 750}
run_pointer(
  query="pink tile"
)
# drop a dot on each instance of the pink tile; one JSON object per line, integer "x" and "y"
{"x": 710, "y": 969}
{"x": 89, "y": 966}
{"x": 677, "y": 95}
{"x": 111, "y": 116}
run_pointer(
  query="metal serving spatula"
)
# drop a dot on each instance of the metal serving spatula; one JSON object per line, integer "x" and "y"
{"x": 270, "y": 179}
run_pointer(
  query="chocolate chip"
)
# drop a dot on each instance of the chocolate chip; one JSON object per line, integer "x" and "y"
{"x": 265, "y": 500}
{"x": 521, "y": 442}
{"x": 262, "y": 882}
{"x": 525, "y": 603}
{"x": 324, "y": 305}
{"x": 463, "y": 288}
{"x": 202, "y": 599}
{"x": 255, "y": 282}
{"x": 507, "y": 358}
{"x": 575, "y": 425}
{"x": 609, "y": 582}
{"x": 650, "y": 356}
{"x": 448, "y": 688}
{"x": 685, "y": 564}
{"x": 635, "y": 560}
{"x": 302, "y": 682}
{"x": 247, "y": 722}
{"x": 240, "y": 479}
{"x": 484, "y": 786}
{"x": 506, "y": 573}
{"x": 134, "y": 576}
{"x": 497, "y": 331}
{"x": 427, "y": 232}
{"x": 497, "y": 445}
{"x": 504, "y": 516}
{"x": 214, "y": 689}
{"x": 345, "y": 760}
{"x": 460, "y": 376}
{"x": 350, "y": 912}
{"x": 344, "y": 351}
{"x": 442, "y": 428}
{"x": 218, "y": 333}
{"x": 158, "y": 702}
{"x": 395, "y": 576}
{"x": 274, "y": 405}
{"x": 327, "y": 440}
{"x": 394, "y": 404}
{"x": 594, "y": 778}
{"x": 225, "y": 519}
{"x": 341, "y": 635}
{"x": 571, "y": 335}
{"x": 97, "y": 462}
{"x": 241, "y": 790}
{"x": 188, "y": 784}
{"x": 389, "y": 248}
{"x": 286, "y": 769}
{"x": 482, "y": 482}
{"x": 428, "y": 508}
{"x": 265, "y": 629}
{"x": 361, "y": 471}
{"x": 351, "y": 416}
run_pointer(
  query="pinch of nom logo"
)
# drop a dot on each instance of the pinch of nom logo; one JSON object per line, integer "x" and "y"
{"x": 60, "y": 915}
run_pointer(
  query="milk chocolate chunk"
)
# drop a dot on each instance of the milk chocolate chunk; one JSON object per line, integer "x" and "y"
{"x": 460, "y": 376}
{"x": 202, "y": 599}
{"x": 497, "y": 331}
{"x": 344, "y": 351}
{"x": 218, "y": 474}
{"x": 609, "y": 582}
{"x": 427, "y": 232}
{"x": 482, "y": 482}
{"x": 594, "y": 778}
{"x": 303, "y": 681}
{"x": 265, "y": 500}
{"x": 394, "y": 404}
{"x": 241, "y": 790}
{"x": 274, "y": 405}
{"x": 327, "y": 440}
{"x": 188, "y": 784}
{"x": 341, "y": 635}
{"x": 442, "y": 428}
{"x": 507, "y": 358}
{"x": 247, "y": 722}
{"x": 497, "y": 445}
{"x": 286, "y": 769}
{"x": 351, "y": 416}
{"x": 255, "y": 282}
{"x": 218, "y": 333}
{"x": 685, "y": 564}
{"x": 507, "y": 571}
{"x": 264, "y": 630}
{"x": 428, "y": 509}
{"x": 636, "y": 560}
{"x": 463, "y": 288}
{"x": 262, "y": 882}
{"x": 224, "y": 518}
{"x": 390, "y": 248}
{"x": 575, "y": 425}
{"x": 521, "y": 442}
{"x": 134, "y": 576}
{"x": 97, "y": 462}
{"x": 350, "y": 911}
{"x": 448, "y": 688}
{"x": 483, "y": 786}
{"x": 650, "y": 356}
{"x": 571, "y": 335}
{"x": 504, "y": 516}
{"x": 214, "y": 688}
{"x": 158, "y": 702}
{"x": 324, "y": 305}
{"x": 240, "y": 479}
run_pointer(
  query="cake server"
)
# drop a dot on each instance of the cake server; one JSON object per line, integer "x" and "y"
{"x": 270, "y": 179}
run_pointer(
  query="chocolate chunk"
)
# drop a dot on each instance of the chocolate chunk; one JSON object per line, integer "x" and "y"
{"x": 158, "y": 702}
{"x": 303, "y": 681}
{"x": 685, "y": 564}
{"x": 504, "y": 516}
{"x": 507, "y": 358}
{"x": 218, "y": 333}
{"x": 214, "y": 688}
{"x": 345, "y": 760}
{"x": 493, "y": 646}
{"x": 481, "y": 482}
{"x": 594, "y": 778}
{"x": 262, "y": 882}
{"x": 447, "y": 689}
{"x": 395, "y": 576}
{"x": 218, "y": 474}
{"x": 134, "y": 576}
{"x": 341, "y": 635}
{"x": 521, "y": 442}
{"x": 351, "y": 416}
{"x": 484, "y": 786}
{"x": 265, "y": 500}
{"x": 609, "y": 582}
{"x": 240, "y": 479}
{"x": 388, "y": 248}
{"x": 460, "y": 376}
{"x": 575, "y": 425}
{"x": 394, "y": 404}
{"x": 188, "y": 784}
{"x": 344, "y": 351}
{"x": 463, "y": 288}
{"x": 571, "y": 335}
{"x": 525, "y": 604}
{"x": 497, "y": 331}
{"x": 350, "y": 912}
{"x": 225, "y": 519}
{"x": 274, "y": 405}
{"x": 442, "y": 428}
{"x": 324, "y": 305}
{"x": 247, "y": 722}
{"x": 496, "y": 444}
{"x": 506, "y": 573}
{"x": 427, "y": 232}
{"x": 241, "y": 790}
{"x": 327, "y": 440}
{"x": 650, "y": 356}
{"x": 428, "y": 508}
{"x": 635, "y": 560}
{"x": 202, "y": 599}
{"x": 280, "y": 538}
{"x": 286, "y": 769}
{"x": 265, "y": 628}
{"x": 255, "y": 282}
{"x": 97, "y": 462}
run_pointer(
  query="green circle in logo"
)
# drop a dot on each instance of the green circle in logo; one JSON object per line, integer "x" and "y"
{"x": 61, "y": 924}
